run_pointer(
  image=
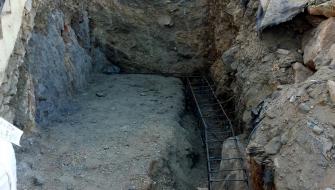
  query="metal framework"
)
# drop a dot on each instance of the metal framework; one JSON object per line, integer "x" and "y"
{"x": 216, "y": 129}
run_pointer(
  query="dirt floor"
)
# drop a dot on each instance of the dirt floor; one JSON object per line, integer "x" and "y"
{"x": 125, "y": 132}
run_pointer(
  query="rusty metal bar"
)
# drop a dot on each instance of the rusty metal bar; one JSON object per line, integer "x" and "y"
{"x": 205, "y": 125}
{"x": 220, "y": 129}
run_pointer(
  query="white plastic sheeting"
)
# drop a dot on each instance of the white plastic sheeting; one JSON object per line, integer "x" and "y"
{"x": 7, "y": 166}
{"x": 8, "y": 134}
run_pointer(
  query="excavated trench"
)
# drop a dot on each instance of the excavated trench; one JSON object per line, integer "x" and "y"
{"x": 137, "y": 131}
{"x": 86, "y": 127}
{"x": 90, "y": 127}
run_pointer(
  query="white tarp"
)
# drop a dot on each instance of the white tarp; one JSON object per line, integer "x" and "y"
{"x": 7, "y": 166}
{"x": 8, "y": 134}
{"x": 273, "y": 12}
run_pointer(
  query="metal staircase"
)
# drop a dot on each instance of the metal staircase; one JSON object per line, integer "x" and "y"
{"x": 217, "y": 129}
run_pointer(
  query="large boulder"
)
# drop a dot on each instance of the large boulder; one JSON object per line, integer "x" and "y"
{"x": 301, "y": 73}
{"x": 275, "y": 12}
{"x": 319, "y": 45}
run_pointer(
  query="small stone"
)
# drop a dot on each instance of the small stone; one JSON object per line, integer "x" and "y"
{"x": 270, "y": 114}
{"x": 273, "y": 146}
{"x": 293, "y": 98}
{"x": 100, "y": 94}
{"x": 311, "y": 124}
{"x": 132, "y": 188}
{"x": 280, "y": 87}
{"x": 301, "y": 73}
{"x": 110, "y": 69}
{"x": 37, "y": 181}
{"x": 304, "y": 108}
{"x": 106, "y": 148}
{"x": 165, "y": 20}
{"x": 331, "y": 90}
{"x": 327, "y": 146}
{"x": 283, "y": 51}
{"x": 317, "y": 130}
{"x": 284, "y": 138}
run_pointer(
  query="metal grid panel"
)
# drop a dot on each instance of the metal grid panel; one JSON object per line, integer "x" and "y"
{"x": 216, "y": 128}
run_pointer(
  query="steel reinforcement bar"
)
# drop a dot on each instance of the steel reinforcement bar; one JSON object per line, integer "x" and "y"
{"x": 224, "y": 172}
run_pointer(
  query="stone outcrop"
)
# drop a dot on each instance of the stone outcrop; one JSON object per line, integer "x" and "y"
{"x": 298, "y": 144}
{"x": 280, "y": 92}
{"x": 326, "y": 9}
{"x": 57, "y": 64}
{"x": 160, "y": 36}
{"x": 318, "y": 44}
{"x": 9, "y": 88}
{"x": 253, "y": 67}
{"x": 272, "y": 13}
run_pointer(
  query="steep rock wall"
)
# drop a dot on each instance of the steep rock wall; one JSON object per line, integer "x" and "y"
{"x": 56, "y": 64}
{"x": 158, "y": 36}
{"x": 251, "y": 66}
{"x": 282, "y": 100}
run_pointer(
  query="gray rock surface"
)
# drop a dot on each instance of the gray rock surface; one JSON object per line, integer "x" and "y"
{"x": 160, "y": 36}
{"x": 57, "y": 64}
{"x": 301, "y": 73}
{"x": 305, "y": 160}
{"x": 318, "y": 45}
{"x": 274, "y": 12}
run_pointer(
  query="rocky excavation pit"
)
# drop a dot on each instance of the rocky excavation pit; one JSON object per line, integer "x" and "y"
{"x": 272, "y": 63}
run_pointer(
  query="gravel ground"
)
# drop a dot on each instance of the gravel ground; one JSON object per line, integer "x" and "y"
{"x": 124, "y": 132}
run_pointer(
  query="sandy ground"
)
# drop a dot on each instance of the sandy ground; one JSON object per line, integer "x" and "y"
{"x": 125, "y": 132}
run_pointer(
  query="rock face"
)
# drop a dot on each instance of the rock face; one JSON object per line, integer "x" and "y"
{"x": 159, "y": 36}
{"x": 275, "y": 12}
{"x": 305, "y": 157}
{"x": 279, "y": 89}
{"x": 318, "y": 44}
{"x": 252, "y": 67}
{"x": 326, "y": 9}
{"x": 10, "y": 88}
{"x": 57, "y": 63}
